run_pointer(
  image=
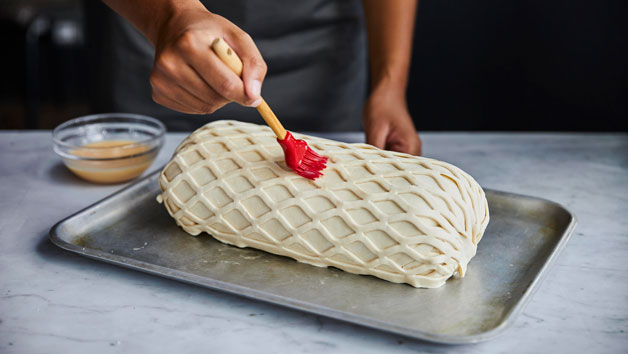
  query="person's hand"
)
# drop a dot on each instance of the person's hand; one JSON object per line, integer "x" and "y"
{"x": 187, "y": 75}
{"x": 387, "y": 122}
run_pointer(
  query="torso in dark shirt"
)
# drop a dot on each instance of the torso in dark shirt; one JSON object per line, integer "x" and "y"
{"x": 315, "y": 51}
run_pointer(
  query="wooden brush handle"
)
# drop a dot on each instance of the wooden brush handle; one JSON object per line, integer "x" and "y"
{"x": 231, "y": 59}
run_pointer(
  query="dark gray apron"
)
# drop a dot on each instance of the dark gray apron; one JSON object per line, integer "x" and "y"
{"x": 315, "y": 51}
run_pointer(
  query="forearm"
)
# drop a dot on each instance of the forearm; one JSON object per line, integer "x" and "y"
{"x": 149, "y": 15}
{"x": 390, "y": 26}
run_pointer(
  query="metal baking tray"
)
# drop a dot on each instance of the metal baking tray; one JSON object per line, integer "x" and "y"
{"x": 130, "y": 229}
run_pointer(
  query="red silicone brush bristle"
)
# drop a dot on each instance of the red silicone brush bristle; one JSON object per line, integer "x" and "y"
{"x": 311, "y": 165}
{"x": 301, "y": 158}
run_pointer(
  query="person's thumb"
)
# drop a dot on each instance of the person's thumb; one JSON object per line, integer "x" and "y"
{"x": 253, "y": 66}
{"x": 253, "y": 74}
{"x": 376, "y": 135}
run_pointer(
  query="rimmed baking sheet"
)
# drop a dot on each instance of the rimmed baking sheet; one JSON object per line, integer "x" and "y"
{"x": 130, "y": 229}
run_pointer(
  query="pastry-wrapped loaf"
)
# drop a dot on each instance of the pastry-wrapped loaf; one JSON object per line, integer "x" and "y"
{"x": 398, "y": 217}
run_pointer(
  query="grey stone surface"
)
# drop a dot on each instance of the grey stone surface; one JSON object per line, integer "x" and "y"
{"x": 55, "y": 301}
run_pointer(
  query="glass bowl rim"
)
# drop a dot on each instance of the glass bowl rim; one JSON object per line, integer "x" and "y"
{"x": 91, "y": 117}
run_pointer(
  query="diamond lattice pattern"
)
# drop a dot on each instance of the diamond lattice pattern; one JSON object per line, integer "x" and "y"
{"x": 394, "y": 216}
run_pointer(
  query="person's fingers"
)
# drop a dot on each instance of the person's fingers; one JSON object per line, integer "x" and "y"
{"x": 395, "y": 141}
{"x": 174, "y": 96}
{"x": 418, "y": 148}
{"x": 175, "y": 72}
{"x": 377, "y": 134}
{"x": 396, "y": 145}
{"x": 254, "y": 68}
{"x": 198, "y": 54}
{"x": 172, "y": 104}
{"x": 404, "y": 141}
{"x": 197, "y": 87}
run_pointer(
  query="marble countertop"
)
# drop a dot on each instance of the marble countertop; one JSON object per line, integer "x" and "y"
{"x": 53, "y": 300}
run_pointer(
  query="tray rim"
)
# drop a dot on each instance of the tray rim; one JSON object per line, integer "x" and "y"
{"x": 259, "y": 295}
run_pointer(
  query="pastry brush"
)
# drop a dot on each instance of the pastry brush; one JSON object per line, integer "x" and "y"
{"x": 299, "y": 156}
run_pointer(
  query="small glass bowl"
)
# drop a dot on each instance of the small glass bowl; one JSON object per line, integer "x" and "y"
{"x": 109, "y": 147}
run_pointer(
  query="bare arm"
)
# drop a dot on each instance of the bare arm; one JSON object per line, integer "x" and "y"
{"x": 390, "y": 26}
{"x": 148, "y": 15}
{"x": 187, "y": 76}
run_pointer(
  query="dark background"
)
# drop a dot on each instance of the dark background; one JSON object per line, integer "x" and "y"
{"x": 477, "y": 65}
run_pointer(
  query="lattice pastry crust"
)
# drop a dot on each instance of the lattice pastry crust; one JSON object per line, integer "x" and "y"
{"x": 398, "y": 217}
